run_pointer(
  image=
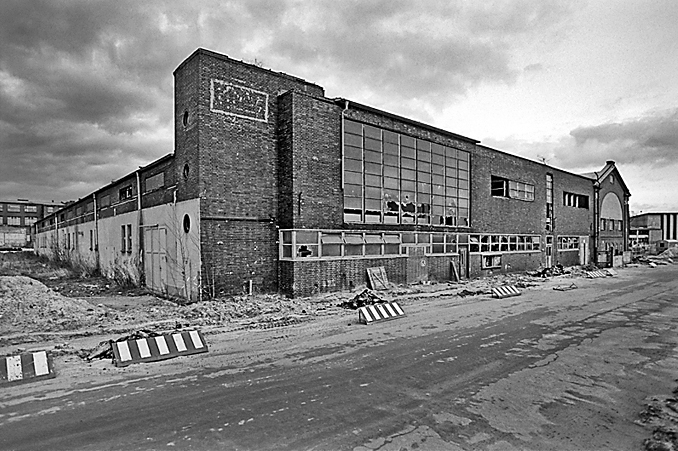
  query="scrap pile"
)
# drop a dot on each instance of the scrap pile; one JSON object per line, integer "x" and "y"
{"x": 366, "y": 297}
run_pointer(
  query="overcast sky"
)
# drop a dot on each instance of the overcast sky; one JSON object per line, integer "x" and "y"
{"x": 86, "y": 87}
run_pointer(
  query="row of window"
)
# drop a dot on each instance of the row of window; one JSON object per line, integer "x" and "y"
{"x": 576, "y": 200}
{"x": 390, "y": 178}
{"x": 611, "y": 224}
{"x": 504, "y": 243}
{"x": 295, "y": 244}
{"x": 17, "y": 208}
{"x": 313, "y": 243}
{"x": 19, "y": 221}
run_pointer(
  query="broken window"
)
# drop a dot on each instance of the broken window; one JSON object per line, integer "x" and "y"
{"x": 306, "y": 244}
{"x": 499, "y": 187}
{"x": 491, "y": 261}
{"x": 125, "y": 193}
{"x": 411, "y": 178}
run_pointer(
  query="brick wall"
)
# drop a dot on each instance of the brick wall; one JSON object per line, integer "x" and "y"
{"x": 320, "y": 276}
{"x": 226, "y": 116}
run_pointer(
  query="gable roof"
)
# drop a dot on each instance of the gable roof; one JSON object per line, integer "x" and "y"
{"x": 599, "y": 176}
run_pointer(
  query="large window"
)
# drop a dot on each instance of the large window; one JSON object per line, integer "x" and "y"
{"x": 501, "y": 187}
{"x": 576, "y": 200}
{"x": 390, "y": 178}
{"x": 14, "y": 208}
{"x": 154, "y": 182}
{"x": 14, "y": 220}
{"x": 31, "y": 208}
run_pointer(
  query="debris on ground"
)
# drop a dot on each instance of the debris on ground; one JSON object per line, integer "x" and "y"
{"x": 365, "y": 297}
{"x": 661, "y": 415}
{"x": 569, "y": 287}
{"x": 463, "y": 293}
{"x": 557, "y": 270}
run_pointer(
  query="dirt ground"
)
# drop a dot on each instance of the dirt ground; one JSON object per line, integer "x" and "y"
{"x": 47, "y": 307}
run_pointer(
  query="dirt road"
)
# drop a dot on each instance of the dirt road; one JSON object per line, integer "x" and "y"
{"x": 558, "y": 370}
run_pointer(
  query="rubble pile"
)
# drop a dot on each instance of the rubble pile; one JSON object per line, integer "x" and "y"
{"x": 365, "y": 297}
{"x": 27, "y": 305}
{"x": 661, "y": 415}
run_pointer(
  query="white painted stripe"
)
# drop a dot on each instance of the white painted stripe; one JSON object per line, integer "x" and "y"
{"x": 195, "y": 338}
{"x": 374, "y": 312}
{"x": 179, "y": 341}
{"x": 14, "y": 372}
{"x": 390, "y": 309}
{"x": 162, "y": 345}
{"x": 397, "y": 308}
{"x": 384, "y": 313}
{"x": 123, "y": 350}
{"x": 40, "y": 363}
{"x": 144, "y": 351}
{"x": 366, "y": 315}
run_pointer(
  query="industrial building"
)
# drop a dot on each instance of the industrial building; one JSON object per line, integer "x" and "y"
{"x": 17, "y": 219}
{"x": 274, "y": 187}
{"x": 647, "y": 229}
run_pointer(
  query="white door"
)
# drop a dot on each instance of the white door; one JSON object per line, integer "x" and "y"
{"x": 155, "y": 258}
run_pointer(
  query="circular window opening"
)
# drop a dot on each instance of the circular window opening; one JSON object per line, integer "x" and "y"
{"x": 187, "y": 223}
{"x": 186, "y": 171}
{"x": 184, "y": 119}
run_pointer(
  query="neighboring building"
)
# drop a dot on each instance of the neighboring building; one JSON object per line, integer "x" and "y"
{"x": 648, "y": 228}
{"x": 17, "y": 219}
{"x": 275, "y": 187}
{"x": 611, "y": 230}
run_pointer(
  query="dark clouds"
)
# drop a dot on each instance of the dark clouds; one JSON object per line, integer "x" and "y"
{"x": 650, "y": 140}
{"x": 86, "y": 88}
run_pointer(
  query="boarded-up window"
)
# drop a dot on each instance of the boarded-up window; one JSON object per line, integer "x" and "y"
{"x": 154, "y": 182}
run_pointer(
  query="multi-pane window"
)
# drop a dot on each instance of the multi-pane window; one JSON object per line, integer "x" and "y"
{"x": 576, "y": 200}
{"x": 14, "y": 208}
{"x": 568, "y": 243}
{"x": 14, "y": 220}
{"x": 302, "y": 244}
{"x": 549, "y": 202}
{"x": 31, "y": 208}
{"x": 501, "y": 187}
{"x": 30, "y": 220}
{"x": 391, "y": 178}
{"x": 504, "y": 243}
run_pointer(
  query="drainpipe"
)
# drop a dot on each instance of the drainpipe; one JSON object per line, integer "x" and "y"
{"x": 96, "y": 231}
{"x": 342, "y": 141}
{"x": 140, "y": 224}
{"x": 596, "y": 224}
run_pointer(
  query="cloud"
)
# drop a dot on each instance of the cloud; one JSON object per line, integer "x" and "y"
{"x": 86, "y": 87}
{"x": 650, "y": 140}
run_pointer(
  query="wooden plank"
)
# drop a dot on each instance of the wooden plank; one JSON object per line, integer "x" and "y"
{"x": 377, "y": 278}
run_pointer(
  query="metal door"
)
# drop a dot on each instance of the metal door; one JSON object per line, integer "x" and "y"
{"x": 155, "y": 258}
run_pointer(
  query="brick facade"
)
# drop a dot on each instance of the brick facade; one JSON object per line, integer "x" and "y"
{"x": 260, "y": 156}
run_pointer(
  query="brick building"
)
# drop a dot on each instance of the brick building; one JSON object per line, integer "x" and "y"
{"x": 275, "y": 187}
{"x": 17, "y": 218}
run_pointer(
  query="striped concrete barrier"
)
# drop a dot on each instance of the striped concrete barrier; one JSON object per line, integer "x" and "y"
{"x": 505, "y": 291}
{"x": 379, "y": 312}
{"x": 162, "y": 347}
{"x": 595, "y": 274}
{"x": 610, "y": 272}
{"x": 26, "y": 367}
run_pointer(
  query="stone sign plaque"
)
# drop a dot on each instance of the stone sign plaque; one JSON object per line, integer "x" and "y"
{"x": 239, "y": 101}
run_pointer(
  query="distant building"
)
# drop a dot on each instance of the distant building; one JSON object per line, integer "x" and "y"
{"x": 275, "y": 187}
{"x": 649, "y": 228}
{"x": 17, "y": 219}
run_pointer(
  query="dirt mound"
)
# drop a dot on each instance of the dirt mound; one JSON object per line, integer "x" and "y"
{"x": 28, "y": 305}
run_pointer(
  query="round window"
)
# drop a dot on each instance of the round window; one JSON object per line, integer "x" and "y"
{"x": 187, "y": 223}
